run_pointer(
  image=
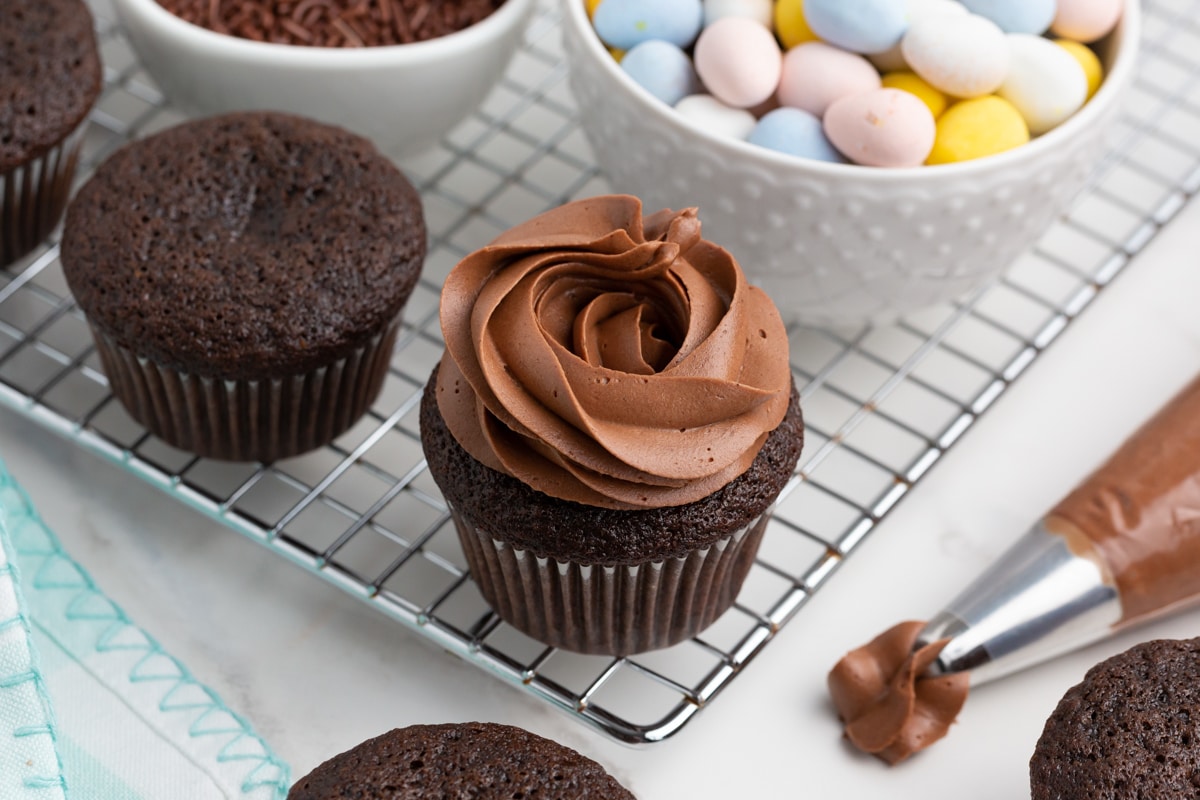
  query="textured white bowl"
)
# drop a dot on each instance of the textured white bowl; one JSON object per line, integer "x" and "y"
{"x": 403, "y": 97}
{"x": 837, "y": 244}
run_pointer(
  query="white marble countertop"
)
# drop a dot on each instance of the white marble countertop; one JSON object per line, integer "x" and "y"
{"x": 316, "y": 671}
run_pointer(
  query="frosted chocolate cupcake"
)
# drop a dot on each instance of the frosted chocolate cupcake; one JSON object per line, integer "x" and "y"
{"x": 610, "y": 424}
{"x": 49, "y": 79}
{"x": 478, "y": 760}
{"x": 1131, "y": 728}
{"x": 243, "y": 277}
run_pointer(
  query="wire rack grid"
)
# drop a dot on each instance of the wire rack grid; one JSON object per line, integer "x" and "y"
{"x": 882, "y": 404}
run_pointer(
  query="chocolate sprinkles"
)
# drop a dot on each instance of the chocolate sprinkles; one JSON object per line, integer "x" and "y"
{"x": 333, "y": 23}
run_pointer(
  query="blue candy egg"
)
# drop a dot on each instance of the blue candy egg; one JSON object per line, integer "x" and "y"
{"x": 861, "y": 26}
{"x": 625, "y": 24}
{"x": 795, "y": 132}
{"x": 662, "y": 69}
{"x": 1016, "y": 16}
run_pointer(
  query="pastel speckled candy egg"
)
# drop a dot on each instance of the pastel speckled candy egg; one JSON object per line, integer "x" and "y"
{"x": 1045, "y": 83}
{"x": 861, "y": 26}
{"x": 796, "y": 133}
{"x": 1086, "y": 20}
{"x": 964, "y": 56}
{"x": 815, "y": 74}
{"x": 1016, "y": 16}
{"x": 624, "y": 24}
{"x": 982, "y": 126}
{"x": 893, "y": 60}
{"x": 662, "y": 69}
{"x": 790, "y": 24}
{"x": 761, "y": 11}
{"x": 739, "y": 61}
{"x": 882, "y": 128}
{"x": 710, "y": 114}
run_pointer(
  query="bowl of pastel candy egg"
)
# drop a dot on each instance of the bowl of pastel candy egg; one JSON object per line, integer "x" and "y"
{"x": 861, "y": 158}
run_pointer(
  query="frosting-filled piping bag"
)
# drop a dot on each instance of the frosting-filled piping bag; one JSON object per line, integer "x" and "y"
{"x": 1122, "y": 547}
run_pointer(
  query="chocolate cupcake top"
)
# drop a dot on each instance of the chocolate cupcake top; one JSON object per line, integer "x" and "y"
{"x": 1129, "y": 729}
{"x": 568, "y": 531}
{"x": 478, "y": 760}
{"x": 609, "y": 359}
{"x": 49, "y": 75}
{"x": 246, "y": 246}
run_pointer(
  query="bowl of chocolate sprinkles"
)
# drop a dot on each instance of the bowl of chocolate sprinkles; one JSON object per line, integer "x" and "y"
{"x": 400, "y": 72}
{"x": 333, "y": 23}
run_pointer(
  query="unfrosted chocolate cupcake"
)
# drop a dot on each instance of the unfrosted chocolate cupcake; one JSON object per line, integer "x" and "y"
{"x": 478, "y": 760}
{"x": 243, "y": 277}
{"x": 49, "y": 79}
{"x": 612, "y": 420}
{"x": 1130, "y": 729}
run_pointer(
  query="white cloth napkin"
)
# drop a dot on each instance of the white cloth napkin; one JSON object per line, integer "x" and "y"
{"x": 91, "y": 706}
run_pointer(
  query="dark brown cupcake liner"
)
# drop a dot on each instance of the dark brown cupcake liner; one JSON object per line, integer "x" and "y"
{"x": 248, "y": 420}
{"x": 33, "y": 197}
{"x": 610, "y": 610}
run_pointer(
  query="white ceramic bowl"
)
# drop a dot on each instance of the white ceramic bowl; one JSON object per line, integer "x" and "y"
{"x": 403, "y": 97}
{"x": 838, "y": 244}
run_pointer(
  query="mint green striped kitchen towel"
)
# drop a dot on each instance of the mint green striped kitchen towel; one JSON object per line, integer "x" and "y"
{"x": 91, "y": 706}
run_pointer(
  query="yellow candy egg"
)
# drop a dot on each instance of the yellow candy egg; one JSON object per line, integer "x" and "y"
{"x": 981, "y": 126}
{"x": 1087, "y": 59}
{"x": 591, "y": 7}
{"x": 616, "y": 53}
{"x": 912, "y": 83}
{"x": 790, "y": 24}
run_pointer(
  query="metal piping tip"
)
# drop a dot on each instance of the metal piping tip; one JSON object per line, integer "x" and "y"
{"x": 1037, "y": 601}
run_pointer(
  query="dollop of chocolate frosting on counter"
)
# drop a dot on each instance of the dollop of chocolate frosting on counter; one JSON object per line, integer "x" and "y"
{"x": 890, "y": 707}
{"x": 609, "y": 359}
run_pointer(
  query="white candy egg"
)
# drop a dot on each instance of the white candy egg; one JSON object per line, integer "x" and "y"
{"x": 893, "y": 60}
{"x": 1045, "y": 83}
{"x": 710, "y": 114}
{"x": 963, "y": 55}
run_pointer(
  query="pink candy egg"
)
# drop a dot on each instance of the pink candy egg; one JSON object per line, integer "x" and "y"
{"x": 816, "y": 74}
{"x": 882, "y": 128}
{"x": 1086, "y": 20}
{"x": 739, "y": 61}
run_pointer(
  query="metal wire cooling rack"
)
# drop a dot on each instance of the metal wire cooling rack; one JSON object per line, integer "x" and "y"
{"x": 882, "y": 404}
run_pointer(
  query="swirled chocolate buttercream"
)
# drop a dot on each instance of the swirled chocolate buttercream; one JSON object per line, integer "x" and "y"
{"x": 611, "y": 359}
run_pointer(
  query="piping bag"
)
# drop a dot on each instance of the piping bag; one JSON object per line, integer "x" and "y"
{"x": 1121, "y": 548}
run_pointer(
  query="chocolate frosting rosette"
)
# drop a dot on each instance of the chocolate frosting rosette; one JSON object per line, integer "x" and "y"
{"x": 614, "y": 393}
